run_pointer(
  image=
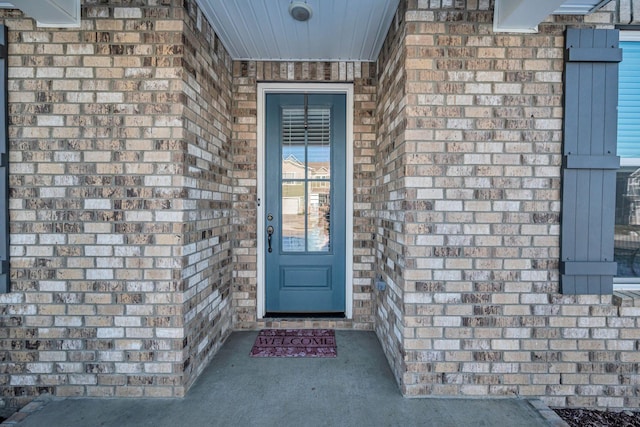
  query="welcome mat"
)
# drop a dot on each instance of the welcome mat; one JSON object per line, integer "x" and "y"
{"x": 295, "y": 343}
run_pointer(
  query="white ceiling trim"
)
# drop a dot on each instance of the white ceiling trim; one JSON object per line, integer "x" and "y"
{"x": 523, "y": 16}
{"x": 580, "y": 7}
{"x": 49, "y": 13}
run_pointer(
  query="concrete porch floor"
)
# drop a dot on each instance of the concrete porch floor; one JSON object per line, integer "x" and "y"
{"x": 355, "y": 389}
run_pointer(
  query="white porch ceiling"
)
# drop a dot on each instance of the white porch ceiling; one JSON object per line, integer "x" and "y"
{"x": 345, "y": 29}
{"x": 338, "y": 29}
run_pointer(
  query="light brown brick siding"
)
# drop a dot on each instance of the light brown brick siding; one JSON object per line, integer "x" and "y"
{"x": 208, "y": 193}
{"x": 469, "y": 207}
{"x": 121, "y": 192}
{"x": 247, "y": 74}
{"x": 133, "y": 150}
{"x": 629, "y": 11}
{"x": 390, "y": 192}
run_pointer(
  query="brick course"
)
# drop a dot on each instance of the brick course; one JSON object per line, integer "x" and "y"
{"x": 208, "y": 239}
{"x": 121, "y": 192}
{"x": 133, "y": 207}
{"x": 246, "y": 75}
{"x": 469, "y": 217}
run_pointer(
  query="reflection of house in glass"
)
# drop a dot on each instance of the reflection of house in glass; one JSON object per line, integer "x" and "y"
{"x": 627, "y": 226}
{"x": 293, "y": 175}
{"x": 320, "y": 173}
{"x": 317, "y": 176}
{"x": 305, "y": 204}
{"x": 292, "y": 168}
{"x": 633, "y": 197}
{"x": 628, "y": 197}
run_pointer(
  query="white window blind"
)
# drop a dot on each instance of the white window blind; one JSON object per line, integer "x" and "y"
{"x": 317, "y": 124}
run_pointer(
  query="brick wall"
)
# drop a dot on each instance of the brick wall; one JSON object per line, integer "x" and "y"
{"x": 133, "y": 208}
{"x": 120, "y": 203}
{"x": 390, "y": 192}
{"x": 629, "y": 11}
{"x": 207, "y": 193}
{"x": 477, "y": 236}
{"x": 246, "y": 75}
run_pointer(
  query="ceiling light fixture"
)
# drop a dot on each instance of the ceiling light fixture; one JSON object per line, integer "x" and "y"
{"x": 300, "y": 11}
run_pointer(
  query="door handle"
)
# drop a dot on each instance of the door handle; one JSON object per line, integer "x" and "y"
{"x": 269, "y": 234}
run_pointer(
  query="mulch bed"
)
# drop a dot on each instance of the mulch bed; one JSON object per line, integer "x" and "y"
{"x": 595, "y": 418}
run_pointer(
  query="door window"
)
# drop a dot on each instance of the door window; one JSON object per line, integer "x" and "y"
{"x": 306, "y": 179}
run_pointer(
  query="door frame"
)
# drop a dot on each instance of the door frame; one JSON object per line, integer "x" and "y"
{"x": 338, "y": 88}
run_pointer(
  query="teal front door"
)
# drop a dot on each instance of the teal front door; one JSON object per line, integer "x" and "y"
{"x": 305, "y": 203}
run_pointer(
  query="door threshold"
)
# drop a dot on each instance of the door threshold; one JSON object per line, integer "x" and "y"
{"x": 289, "y": 316}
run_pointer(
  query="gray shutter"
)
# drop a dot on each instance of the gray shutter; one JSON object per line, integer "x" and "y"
{"x": 4, "y": 165}
{"x": 590, "y": 161}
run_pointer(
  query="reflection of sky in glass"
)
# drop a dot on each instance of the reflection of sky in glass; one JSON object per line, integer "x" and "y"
{"x": 316, "y": 154}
